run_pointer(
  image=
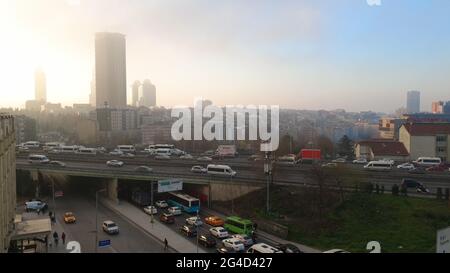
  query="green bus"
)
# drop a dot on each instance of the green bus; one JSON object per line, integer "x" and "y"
{"x": 238, "y": 225}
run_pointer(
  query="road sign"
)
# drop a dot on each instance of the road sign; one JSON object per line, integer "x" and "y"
{"x": 170, "y": 185}
{"x": 59, "y": 193}
{"x": 443, "y": 241}
{"x": 104, "y": 243}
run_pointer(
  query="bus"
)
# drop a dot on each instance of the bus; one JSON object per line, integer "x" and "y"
{"x": 87, "y": 151}
{"x": 186, "y": 202}
{"x": 238, "y": 225}
{"x": 40, "y": 159}
{"x": 126, "y": 148}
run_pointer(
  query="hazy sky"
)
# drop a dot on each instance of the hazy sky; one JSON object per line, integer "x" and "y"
{"x": 310, "y": 54}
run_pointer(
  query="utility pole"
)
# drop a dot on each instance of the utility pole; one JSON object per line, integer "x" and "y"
{"x": 268, "y": 171}
{"x": 151, "y": 201}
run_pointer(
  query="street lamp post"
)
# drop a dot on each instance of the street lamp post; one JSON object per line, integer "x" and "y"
{"x": 96, "y": 217}
{"x": 268, "y": 170}
{"x": 151, "y": 201}
{"x": 196, "y": 229}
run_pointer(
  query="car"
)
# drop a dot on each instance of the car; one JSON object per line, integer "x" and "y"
{"x": 209, "y": 153}
{"x": 175, "y": 211}
{"x": 214, "y": 221}
{"x": 225, "y": 250}
{"x": 189, "y": 231}
{"x": 57, "y": 163}
{"x": 207, "y": 240}
{"x": 360, "y": 161}
{"x": 186, "y": 157}
{"x": 234, "y": 243}
{"x": 151, "y": 210}
{"x": 162, "y": 157}
{"x": 194, "y": 221}
{"x": 339, "y": 160}
{"x": 69, "y": 218}
{"x": 288, "y": 248}
{"x": 204, "y": 159}
{"x": 411, "y": 183}
{"x": 128, "y": 155}
{"x": 336, "y": 251}
{"x": 198, "y": 169}
{"x": 143, "y": 169}
{"x": 329, "y": 165}
{"x": 417, "y": 170}
{"x": 406, "y": 166}
{"x": 161, "y": 204}
{"x": 177, "y": 152}
{"x": 255, "y": 158}
{"x": 219, "y": 232}
{"x": 35, "y": 205}
{"x": 116, "y": 152}
{"x": 245, "y": 239}
{"x": 110, "y": 227}
{"x": 114, "y": 163}
{"x": 167, "y": 218}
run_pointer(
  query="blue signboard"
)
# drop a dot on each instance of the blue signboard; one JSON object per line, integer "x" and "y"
{"x": 104, "y": 243}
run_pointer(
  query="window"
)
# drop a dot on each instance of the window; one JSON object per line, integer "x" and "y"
{"x": 441, "y": 149}
{"x": 441, "y": 138}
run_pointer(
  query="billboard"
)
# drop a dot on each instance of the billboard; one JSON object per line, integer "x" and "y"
{"x": 443, "y": 241}
{"x": 170, "y": 185}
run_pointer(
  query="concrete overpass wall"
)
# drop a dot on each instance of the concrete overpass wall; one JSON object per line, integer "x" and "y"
{"x": 111, "y": 186}
{"x": 221, "y": 191}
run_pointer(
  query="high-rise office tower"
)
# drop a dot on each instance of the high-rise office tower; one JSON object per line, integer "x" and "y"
{"x": 40, "y": 86}
{"x": 110, "y": 70}
{"x": 135, "y": 93}
{"x": 92, "y": 96}
{"x": 437, "y": 107}
{"x": 413, "y": 102}
{"x": 148, "y": 96}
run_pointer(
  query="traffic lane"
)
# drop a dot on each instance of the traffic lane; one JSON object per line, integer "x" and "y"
{"x": 130, "y": 238}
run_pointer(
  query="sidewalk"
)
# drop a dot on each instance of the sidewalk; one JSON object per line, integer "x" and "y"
{"x": 177, "y": 243}
{"x": 269, "y": 237}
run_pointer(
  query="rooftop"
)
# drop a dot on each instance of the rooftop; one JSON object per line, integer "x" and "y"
{"x": 427, "y": 129}
{"x": 383, "y": 147}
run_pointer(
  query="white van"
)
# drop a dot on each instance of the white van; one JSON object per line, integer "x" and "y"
{"x": 263, "y": 248}
{"x": 220, "y": 170}
{"x": 428, "y": 161}
{"x": 51, "y": 145}
{"x": 32, "y": 144}
{"x": 87, "y": 151}
{"x": 69, "y": 149}
{"x": 378, "y": 166}
{"x": 126, "y": 148}
{"x": 38, "y": 159}
{"x": 163, "y": 151}
{"x": 286, "y": 161}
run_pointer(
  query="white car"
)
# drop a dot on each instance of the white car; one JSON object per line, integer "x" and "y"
{"x": 116, "y": 152}
{"x": 194, "y": 221}
{"x": 161, "y": 204}
{"x": 110, "y": 227}
{"x": 204, "y": 159}
{"x": 174, "y": 211}
{"x": 245, "y": 239}
{"x": 114, "y": 163}
{"x": 219, "y": 232}
{"x": 198, "y": 169}
{"x": 187, "y": 157}
{"x": 406, "y": 166}
{"x": 234, "y": 243}
{"x": 339, "y": 160}
{"x": 177, "y": 152}
{"x": 360, "y": 161}
{"x": 151, "y": 210}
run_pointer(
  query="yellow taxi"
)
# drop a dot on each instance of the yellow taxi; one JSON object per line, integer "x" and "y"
{"x": 69, "y": 218}
{"x": 214, "y": 221}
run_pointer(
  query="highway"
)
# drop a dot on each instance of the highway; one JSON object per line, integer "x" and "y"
{"x": 247, "y": 172}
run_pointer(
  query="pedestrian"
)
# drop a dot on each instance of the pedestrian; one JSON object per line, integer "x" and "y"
{"x": 55, "y": 237}
{"x": 166, "y": 244}
{"x": 63, "y": 237}
{"x": 38, "y": 211}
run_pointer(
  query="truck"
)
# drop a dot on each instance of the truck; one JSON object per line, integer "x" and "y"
{"x": 226, "y": 151}
{"x": 310, "y": 155}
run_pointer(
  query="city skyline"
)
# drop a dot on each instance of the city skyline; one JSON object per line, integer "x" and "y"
{"x": 315, "y": 53}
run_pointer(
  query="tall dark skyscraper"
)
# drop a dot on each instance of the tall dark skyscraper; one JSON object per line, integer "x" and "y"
{"x": 40, "y": 86}
{"x": 110, "y": 70}
{"x": 413, "y": 102}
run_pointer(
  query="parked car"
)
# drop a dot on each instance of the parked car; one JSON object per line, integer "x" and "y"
{"x": 406, "y": 166}
{"x": 35, "y": 205}
{"x": 110, "y": 227}
{"x": 69, "y": 218}
{"x": 339, "y": 160}
{"x": 143, "y": 169}
{"x": 175, "y": 211}
{"x": 161, "y": 204}
{"x": 245, "y": 239}
{"x": 198, "y": 169}
{"x": 114, "y": 163}
{"x": 151, "y": 210}
{"x": 214, "y": 221}
{"x": 288, "y": 248}
{"x": 194, "y": 221}
{"x": 219, "y": 232}
{"x": 207, "y": 240}
{"x": 188, "y": 230}
{"x": 204, "y": 159}
{"x": 360, "y": 161}
{"x": 411, "y": 183}
{"x": 167, "y": 218}
{"x": 234, "y": 243}
{"x": 57, "y": 163}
